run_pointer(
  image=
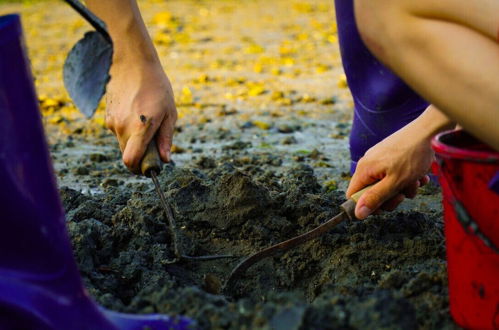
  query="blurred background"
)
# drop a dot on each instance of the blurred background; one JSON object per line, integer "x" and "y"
{"x": 264, "y": 72}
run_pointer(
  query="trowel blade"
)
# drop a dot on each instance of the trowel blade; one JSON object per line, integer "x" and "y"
{"x": 86, "y": 71}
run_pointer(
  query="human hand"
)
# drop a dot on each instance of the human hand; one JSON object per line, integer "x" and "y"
{"x": 140, "y": 106}
{"x": 397, "y": 166}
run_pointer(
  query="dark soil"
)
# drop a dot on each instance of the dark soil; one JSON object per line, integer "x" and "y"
{"x": 262, "y": 96}
{"x": 387, "y": 272}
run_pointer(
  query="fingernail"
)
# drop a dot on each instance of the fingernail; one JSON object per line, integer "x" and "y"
{"x": 364, "y": 211}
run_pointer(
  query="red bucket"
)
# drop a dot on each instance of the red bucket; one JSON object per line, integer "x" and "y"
{"x": 468, "y": 172}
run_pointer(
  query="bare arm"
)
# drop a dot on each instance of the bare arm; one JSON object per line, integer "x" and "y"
{"x": 140, "y": 104}
{"x": 398, "y": 164}
{"x": 448, "y": 51}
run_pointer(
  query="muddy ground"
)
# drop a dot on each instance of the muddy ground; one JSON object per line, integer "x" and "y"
{"x": 261, "y": 155}
{"x": 386, "y": 272}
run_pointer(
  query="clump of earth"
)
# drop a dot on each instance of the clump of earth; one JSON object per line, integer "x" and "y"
{"x": 387, "y": 272}
{"x": 262, "y": 154}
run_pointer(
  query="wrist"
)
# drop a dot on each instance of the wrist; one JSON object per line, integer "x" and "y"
{"x": 432, "y": 121}
{"x": 131, "y": 42}
{"x": 134, "y": 50}
{"x": 131, "y": 56}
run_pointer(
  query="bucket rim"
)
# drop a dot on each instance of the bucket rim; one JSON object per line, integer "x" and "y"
{"x": 446, "y": 150}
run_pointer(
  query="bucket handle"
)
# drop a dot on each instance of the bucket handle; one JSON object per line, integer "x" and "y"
{"x": 463, "y": 216}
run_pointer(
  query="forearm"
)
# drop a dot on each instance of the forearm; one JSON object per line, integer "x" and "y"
{"x": 140, "y": 102}
{"x": 431, "y": 122}
{"x": 131, "y": 40}
{"x": 397, "y": 166}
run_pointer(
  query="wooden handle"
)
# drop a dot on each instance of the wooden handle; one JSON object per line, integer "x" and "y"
{"x": 359, "y": 194}
{"x": 349, "y": 206}
{"x": 151, "y": 160}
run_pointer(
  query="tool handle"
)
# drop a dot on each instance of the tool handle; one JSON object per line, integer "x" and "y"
{"x": 349, "y": 206}
{"x": 151, "y": 161}
{"x": 90, "y": 17}
{"x": 359, "y": 193}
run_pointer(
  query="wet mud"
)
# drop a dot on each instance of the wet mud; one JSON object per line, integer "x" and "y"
{"x": 387, "y": 272}
{"x": 262, "y": 155}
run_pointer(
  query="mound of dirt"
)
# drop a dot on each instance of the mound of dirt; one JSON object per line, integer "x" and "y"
{"x": 385, "y": 272}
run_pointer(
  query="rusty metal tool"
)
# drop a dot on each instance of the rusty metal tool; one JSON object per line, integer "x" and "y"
{"x": 347, "y": 212}
{"x": 150, "y": 167}
{"x": 86, "y": 74}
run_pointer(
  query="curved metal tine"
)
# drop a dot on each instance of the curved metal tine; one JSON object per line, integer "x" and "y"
{"x": 209, "y": 257}
{"x": 172, "y": 261}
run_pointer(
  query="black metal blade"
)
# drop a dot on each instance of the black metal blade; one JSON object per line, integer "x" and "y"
{"x": 86, "y": 71}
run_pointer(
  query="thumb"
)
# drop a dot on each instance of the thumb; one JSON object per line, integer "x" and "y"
{"x": 134, "y": 151}
{"x": 373, "y": 198}
{"x": 164, "y": 139}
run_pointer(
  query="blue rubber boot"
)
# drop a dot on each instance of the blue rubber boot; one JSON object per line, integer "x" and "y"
{"x": 40, "y": 286}
{"x": 383, "y": 102}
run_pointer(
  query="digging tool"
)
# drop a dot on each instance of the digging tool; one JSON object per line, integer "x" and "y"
{"x": 40, "y": 284}
{"x": 347, "y": 212}
{"x": 151, "y": 167}
{"x": 86, "y": 74}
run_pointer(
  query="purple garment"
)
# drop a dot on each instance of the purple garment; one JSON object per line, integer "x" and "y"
{"x": 40, "y": 285}
{"x": 494, "y": 183}
{"x": 383, "y": 102}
